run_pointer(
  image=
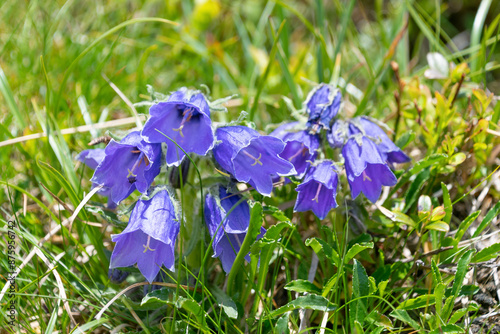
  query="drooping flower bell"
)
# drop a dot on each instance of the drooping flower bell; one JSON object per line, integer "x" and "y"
{"x": 387, "y": 149}
{"x": 251, "y": 157}
{"x": 185, "y": 118}
{"x": 301, "y": 146}
{"x": 366, "y": 170}
{"x": 149, "y": 238}
{"x": 318, "y": 191}
{"x": 91, "y": 157}
{"x": 322, "y": 105}
{"x": 227, "y": 230}
{"x": 128, "y": 165}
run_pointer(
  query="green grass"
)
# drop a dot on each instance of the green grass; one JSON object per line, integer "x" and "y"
{"x": 69, "y": 64}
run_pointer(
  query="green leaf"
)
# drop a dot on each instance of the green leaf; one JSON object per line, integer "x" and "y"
{"x": 192, "y": 307}
{"x": 462, "y": 268}
{"x": 311, "y": 302}
{"x": 282, "y": 324}
{"x": 360, "y": 288}
{"x": 405, "y": 139}
{"x": 301, "y": 285}
{"x": 458, "y": 314}
{"x": 419, "y": 302}
{"x": 320, "y": 246}
{"x": 405, "y": 317}
{"x": 156, "y": 298}
{"x": 457, "y": 159}
{"x": 487, "y": 219}
{"x": 356, "y": 249}
{"x": 487, "y": 253}
{"x": 439, "y": 296}
{"x": 426, "y": 162}
{"x": 436, "y": 274}
{"x": 224, "y": 301}
{"x": 438, "y": 226}
{"x": 276, "y": 213}
{"x": 464, "y": 225}
{"x": 252, "y": 233}
{"x": 450, "y": 329}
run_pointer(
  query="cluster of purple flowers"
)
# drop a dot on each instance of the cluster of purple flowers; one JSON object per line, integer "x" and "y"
{"x": 183, "y": 121}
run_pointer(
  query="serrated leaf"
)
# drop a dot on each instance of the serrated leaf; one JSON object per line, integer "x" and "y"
{"x": 419, "y": 302}
{"x": 321, "y": 247}
{"x": 486, "y": 254}
{"x": 311, "y": 302}
{"x": 301, "y": 285}
{"x": 160, "y": 296}
{"x": 276, "y": 213}
{"x": 360, "y": 288}
{"x": 356, "y": 249}
{"x": 282, "y": 324}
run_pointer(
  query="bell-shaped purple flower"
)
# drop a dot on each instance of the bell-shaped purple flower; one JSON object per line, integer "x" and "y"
{"x": 251, "y": 157}
{"x": 185, "y": 118}
{"x": 338, "y": 134}
{"x": 301, "y": 147}
{"x": 322, "y": 105}
{"x": 318, "y": 191}
{"x": 149, "y": 238}
{"x": 128, "y": 165}
{"x": 366, "y": 170}
{"x": 92, "y": 157}
{"x": 387, "y": 149}
{"x": 227, "y": 230}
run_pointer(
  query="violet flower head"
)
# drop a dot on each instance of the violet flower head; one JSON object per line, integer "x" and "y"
{"x": 301, "y": 147}
{"x": 387, "y": 149}
{"x": 227, "y": 231}
{"x": 92, "y": 157}
{"x": 128, "y": 165}
{"x": 318, "y": 191}
{"x": 338, "y": 134}
{"x": 185, "y": 118}
{"x": 322, "y": 105}
{"x": 251, "y": 157}
{"x": 149, "y": 238}
{"x": 366, "y": 170}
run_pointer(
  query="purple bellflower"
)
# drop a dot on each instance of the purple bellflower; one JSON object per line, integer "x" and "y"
{"x": 251, "y": 157}
{"x": 185, "y": 118}
{"x": 338, "y": 134}
{"x": 366, "y": 170}
{"x": 322, "y": 105}
{"x": 149, "y": 238}
{"x": 318, "y": 191}
{"x": 227, "y": 231}
{"x": 387, "y": 149}
{"x": 301, "y": 147}
{"x": 128, "y": 165}
{"x": 92, "y": 158}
